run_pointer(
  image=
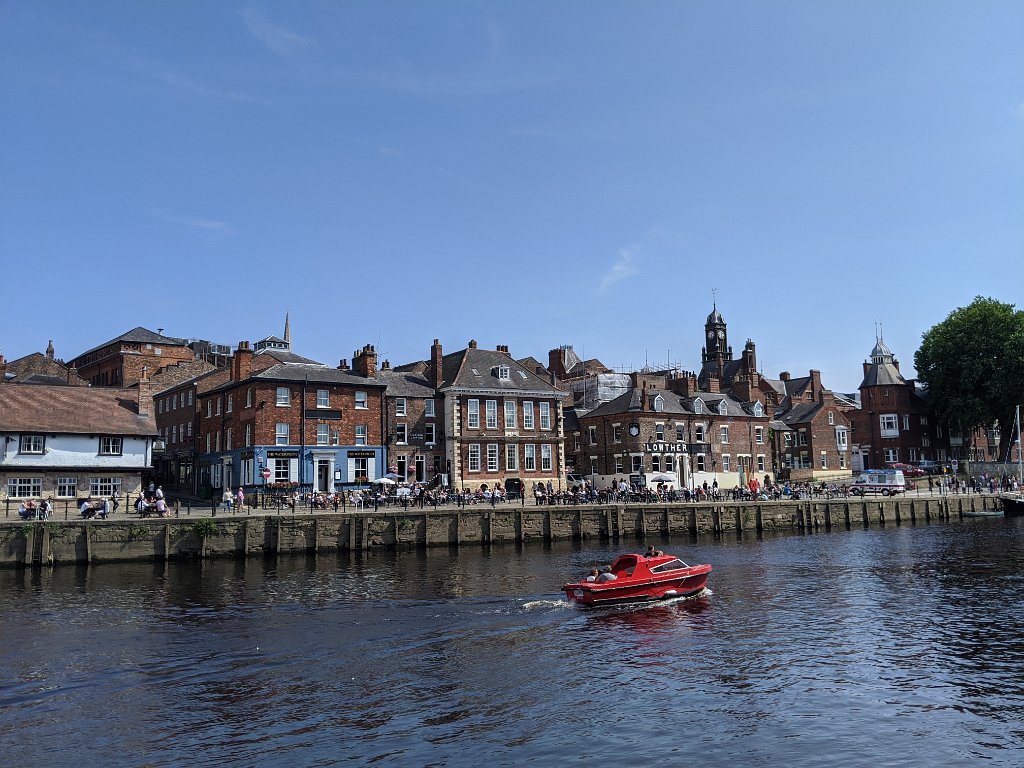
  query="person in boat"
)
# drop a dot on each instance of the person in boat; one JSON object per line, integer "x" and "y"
{"x": 606, "y": 574}
{"x": 592, "y": 576}
{"x": 651, "y": 551}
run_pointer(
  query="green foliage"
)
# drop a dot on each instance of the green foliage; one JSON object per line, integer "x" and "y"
{"x": 137, "y": 531}
{"x": 973, "y": 364}
{"x": 205, "y": 527}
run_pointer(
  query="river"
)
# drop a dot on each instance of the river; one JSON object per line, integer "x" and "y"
{"x": 899, "y": 646}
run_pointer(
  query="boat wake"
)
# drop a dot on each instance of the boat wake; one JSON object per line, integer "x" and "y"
{"x": 538, "y": 605}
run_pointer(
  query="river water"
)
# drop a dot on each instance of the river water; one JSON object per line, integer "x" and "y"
{"x": 899, "y": 646}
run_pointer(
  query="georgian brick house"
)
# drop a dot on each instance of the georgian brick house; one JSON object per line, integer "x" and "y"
{"x": 502, "y": 423}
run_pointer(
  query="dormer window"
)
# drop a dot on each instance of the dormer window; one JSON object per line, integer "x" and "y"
{"x": 758, "y": 410}
{"x": 698, "y": 406}
{"x": 658, "y": 403}
{"x": 503, "y": 372}
{"x": 722, "y": 409}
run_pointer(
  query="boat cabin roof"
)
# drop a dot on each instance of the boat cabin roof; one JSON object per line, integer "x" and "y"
{"x": 631, "y": 565}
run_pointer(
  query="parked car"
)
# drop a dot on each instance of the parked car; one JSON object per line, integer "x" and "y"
{"x": 906, "y": 469}
{"x": 929, "y": 467}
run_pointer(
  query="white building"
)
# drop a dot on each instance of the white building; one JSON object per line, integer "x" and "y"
{"x": 64, "y": 442}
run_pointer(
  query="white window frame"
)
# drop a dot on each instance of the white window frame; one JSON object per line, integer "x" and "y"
{"x": 323, "y": 398}
{"x": 545, "y": 457}
{"x": 510, "y": 414}
{"x": 473, "y": 458}
{"x": 111, "y": 446}
{"x": 473, "y": 413}
{"x": 544, "y": 415}
{"x": 428, "y": 408}
{"x": 492, "y": 457}
{"x": 759, "y": 435}
{"x": 529, "y": 458}
{"x": 401, "y": 406}
{"x": 104, "y": 486}
{"x": 491, "y": 414}
{"x": 67, "y": 487}
{"x": 282, "y": 433}
{"x": 430, "y": 433}
{"x": 361, "y": 435}
{"x": 32, "y": 444}
{"x": 527, "y": 414}
{"x": 402, "y": 433}
{"x": 511, "y": 457}
{"x": 361, "y": 401}
{"x": 323, "y": 434}
{"x": 283, "y": 397}
{"x": 723, "y": 433}
{"x": 24, "y": 487}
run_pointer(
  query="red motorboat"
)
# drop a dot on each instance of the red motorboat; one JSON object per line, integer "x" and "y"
{"x": 639, "y": 578}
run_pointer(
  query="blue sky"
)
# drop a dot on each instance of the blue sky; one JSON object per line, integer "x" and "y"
{"x": 521, "y": 173}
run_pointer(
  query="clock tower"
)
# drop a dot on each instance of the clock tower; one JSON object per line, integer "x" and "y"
{"x": 716, "y": 338}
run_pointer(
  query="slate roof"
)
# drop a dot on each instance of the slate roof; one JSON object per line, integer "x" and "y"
{"x": 139, "y": 335}
{"x": 405, "y": 384}
{"x": 674, "y": 404}
{"x": 287, "y": 356}
{"x": 73, "y": 410}
{"x": 476, "y": 369}
{"x": 37, "y": 368}
{"x": 316, "y": 374}
{"x": 883, "y": 374}
{"x": 801, "y": 413}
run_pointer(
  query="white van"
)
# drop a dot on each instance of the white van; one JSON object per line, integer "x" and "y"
{"x": 887, "y": 482}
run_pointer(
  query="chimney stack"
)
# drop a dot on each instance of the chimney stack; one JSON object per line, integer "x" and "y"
{"x": 472, "y": 344}
{"x": 436, "y": 365}
{"x": 364, "y": 361}
{"x": 145, "y": 394}
{"x": 784, "y": 376}
{"x": 3, "y": 369}
{"x": 343, "y": 364}
{"x": 816, "y": 386}
{"x": 49, "y": 349}
{"x": 241, "y": 362}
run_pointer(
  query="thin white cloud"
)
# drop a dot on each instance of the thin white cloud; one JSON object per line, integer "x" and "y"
{"x": 623, "y": 267}
{"x": 172, "y": 79}
{"x": 193, "y": 222}
{"x": 282, "y": 41}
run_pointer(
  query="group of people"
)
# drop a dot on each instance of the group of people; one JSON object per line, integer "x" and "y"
{"x": 152, "y": 502}
{"x": 30, "y": 510}
{"x": 101, "y": 508}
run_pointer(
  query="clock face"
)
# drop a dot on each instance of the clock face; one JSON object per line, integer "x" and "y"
{"x": 711, "y": 334}
{"x": 721, "y": 334}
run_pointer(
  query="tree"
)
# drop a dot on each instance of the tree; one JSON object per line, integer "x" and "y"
{"x": 973, "y": 365}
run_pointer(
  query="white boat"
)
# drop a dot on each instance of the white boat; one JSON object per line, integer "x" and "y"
{"x": 1013, "y": 502}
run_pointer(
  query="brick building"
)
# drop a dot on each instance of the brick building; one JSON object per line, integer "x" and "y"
{"x": 666, "y": 428}
{"x": 120, "y": 361}
{"x": 811, "y": 430}
{"x": 308, "y": 424}
{"x": 502, "y": 423}
{"x": 40, "y": 368}
{"x": 895, "y": 423}
{"x": 413, "y": 426}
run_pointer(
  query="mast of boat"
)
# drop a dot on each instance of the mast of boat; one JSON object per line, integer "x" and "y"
{"x": 1020, "y": 450}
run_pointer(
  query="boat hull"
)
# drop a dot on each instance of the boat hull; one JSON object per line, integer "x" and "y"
{"x": 1013, "y": 505}
{"x": 678, "y": 584}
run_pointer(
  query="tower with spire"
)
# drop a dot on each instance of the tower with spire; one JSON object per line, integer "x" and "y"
{"x": 287, "y": 331}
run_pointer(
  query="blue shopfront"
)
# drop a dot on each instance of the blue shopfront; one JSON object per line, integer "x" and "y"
{"x": 320, "y": 467}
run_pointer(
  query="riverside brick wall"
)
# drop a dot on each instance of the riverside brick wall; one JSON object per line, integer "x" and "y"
{"x": 98, "y": 541}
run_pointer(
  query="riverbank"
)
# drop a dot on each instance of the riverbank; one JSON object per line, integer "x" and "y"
{"x": 56, "y": 542}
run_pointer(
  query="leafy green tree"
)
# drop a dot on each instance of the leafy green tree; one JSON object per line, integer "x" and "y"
{"x": 973, "y": 365}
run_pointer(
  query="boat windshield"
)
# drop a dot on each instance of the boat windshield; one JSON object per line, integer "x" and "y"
{"x": 671, "y": 565}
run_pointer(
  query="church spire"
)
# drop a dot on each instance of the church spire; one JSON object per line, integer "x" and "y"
{"x": 287, "y": 331}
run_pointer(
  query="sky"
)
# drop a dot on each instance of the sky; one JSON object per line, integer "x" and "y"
{"x": 530, "y": 173}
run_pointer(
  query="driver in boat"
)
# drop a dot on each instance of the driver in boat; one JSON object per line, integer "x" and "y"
{"x": 606, "y": 574}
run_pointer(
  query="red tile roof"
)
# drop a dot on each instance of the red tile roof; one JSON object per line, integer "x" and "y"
{"x": 73, "y": 410}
